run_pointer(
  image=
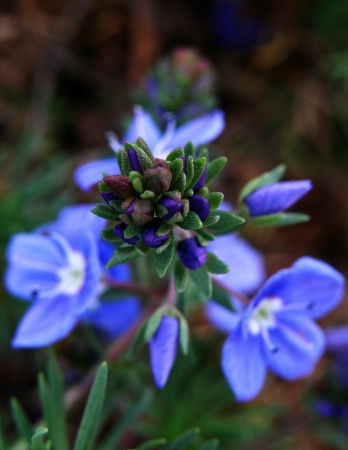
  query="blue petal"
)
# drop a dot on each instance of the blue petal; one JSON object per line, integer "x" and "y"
{"x": 92, "y": 172}
{"x": 115, "y": 317}
{"x": 310, "y": 285}
{"x": 46, "y": 322}
{"x": 33, "y": 264}
{"x": 299, "y": 342}
{"x": 276, "y": 197}
{"x": 243, "y": 364}
{"x": 222, "y": 318}
{"x": 337, "y": 338}
{"x": 143, "y": 125}
{"x": 201, "y": 130}
{"x": 247, "y": 269}
{"x": 74, "y": 221}
{"x": 163, "y": 347}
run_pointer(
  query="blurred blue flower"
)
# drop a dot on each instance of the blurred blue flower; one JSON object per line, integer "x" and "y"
{"x": 200, "y": 130}
{"x": 59, "y": 267}
{"x": 277, "y": 330}
{"x": 277, "y": 197}
{"x": 163, "y": 348}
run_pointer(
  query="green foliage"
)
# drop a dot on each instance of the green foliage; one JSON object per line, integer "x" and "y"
{"x": 105, "y": 212}
{"x": 215, "y": 265}
{"x": 181, "y": 276}
{"x": 214, "y": 168}
{"x": 280, "y": 219}
{"x": 228, "y": 222}
{"x": 202, "y": 280}
{"x": 265, "y": 179}
{"x": 122, "y": 255}
{"x": 191, "y": 222}
{"x": 164, "y": 259}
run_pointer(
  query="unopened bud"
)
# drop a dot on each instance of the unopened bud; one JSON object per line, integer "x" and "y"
{"x": 120, "y": 185}
{"x": 140, "y": 211}
{"x": 149, "y": 234}
{"x": 173, "y": 206}
{"x": 200, "y": 206}
{"x": 119, "y": 230}
{"x": 191, "y": 254}
{"x": 157, "y": 179}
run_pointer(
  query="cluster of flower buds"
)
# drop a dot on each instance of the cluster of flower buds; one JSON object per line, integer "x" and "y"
{"x": 165, "y": 205}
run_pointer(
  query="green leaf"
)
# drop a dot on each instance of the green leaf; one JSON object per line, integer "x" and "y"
{"x": 154, "y": 443}
{"x": 215, "y": 265}
{"x": 48, "y": 412}
{"x": 198, "y": 169}
{"x": 263, "y": 180}
{"x": 152, "y": 324}
{"x": 123, "y": 162}
{"x": 189, "y": 171}
{"x": 204, "y": 237}
{"x": 214, "y": 168}
{"x": 184, "y": 440}
{"x": 89, "y": 424}
{"x": 184, "y": 337}
{"x": 36, "y": 440}
{"x": 220, "y": 296}
{"x": 211, "y": 219}
{"x": 174, "y": 154}
{"x": 138, "y": 341}
{"x": 141, "y": 248}
{"x": 189, "y": 150}
{"x": 179, "y": 184}
{"x": 191, "y": 222}
{"x": 181, "y": 276}
{"x": 121, "y": 256}
{"x": 176, "y": 167}
{"x": 143, "y": 145}
{"x": 228, "y": 222}
{"x": 131, "y": 231}
{"x": 21, "y": 420}
{"x": 279, "y": 220}
{"x": 164, "y": 229}
{"x": 202, "y": 279}
{"x": 105, "y": 212}
{"x": 108, "y": 235}
{"x": 210, "y": 445}
{"x": 164, "y": 259}
{"x": 215, "y": 199}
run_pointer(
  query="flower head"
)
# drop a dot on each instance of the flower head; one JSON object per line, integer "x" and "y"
{"x": 277, "y": 330}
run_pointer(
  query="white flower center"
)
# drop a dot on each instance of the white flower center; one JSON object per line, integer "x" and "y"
{"x": 263, "y": 315}
{"x": 72, "y": 276}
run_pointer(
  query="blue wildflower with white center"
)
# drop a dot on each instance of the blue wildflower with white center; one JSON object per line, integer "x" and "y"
{"x": 200, "y": 130}
{"x": 59, "y": 267}
{"x": 277, "y": 331}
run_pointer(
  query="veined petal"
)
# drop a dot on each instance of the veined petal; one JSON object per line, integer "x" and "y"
{"x": 73, "y": 221}
{"x": 243, "y": 364}
{"x": 276, "y": 197}
{"x": 247, "y": 269}
{"x": 337, "y": 338}
{"x": 299, "y": 343}
{"x": 92, "y": 172}
{"x": 46, "y": 321}
{"x": 115, "y": 317}
{"x": 222, "y": 318}
{"x": 201, "y": 130}
{"x": 163, "y": 348}
{"x": 143, "y": 125}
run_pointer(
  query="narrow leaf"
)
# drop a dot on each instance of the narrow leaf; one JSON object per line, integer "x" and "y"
{"x": 214, "y": 168}
{"x": 215, "y": 199}
{"x": 220, "y": 296}
{"x": 210, "y": 445}
{"x": 184, "y": 336}
{"x": 202, "y": 279}
{"x": 153, "y": 444}
{"x": 105, "y": 212}
{"x": 184, "y": 440}
{"x": 181, "y": 276}
{"x": 36, "y": 440}
{"x": 191, "y": 222}
{"x": 127, "y": 254}
{"x": 228, "y": 222}
{"x": 21, "y": 420}
{"x": 152, "y": 324}
{"x": 198, "y": 169}
{"x": 189, "y": 150}
{"x": 215, "y": 265}
{"x": 89, "y": 424}
{"x": 174, "y": 154}
{"x": 265, "y": 179}
{"x": 279, "y": 220}
{"x": 108, "y": 235}
{"x": 164, "y": 259}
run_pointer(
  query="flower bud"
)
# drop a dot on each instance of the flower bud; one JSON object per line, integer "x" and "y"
{"x": 173, "y": 206}
{"x": 134, "y": 160}
{"x": 119, "y": 230}
{"x": 149, "y": 234}
{"x": 140, "y": 211}
{"x": 120, "y": 185}
{"x": 157, "y": 179}
{"x": 191, "y": 254}
{"x": 109, "y": 196}
{"x": 200, "y": 206}
{"x": 201, "y": 182}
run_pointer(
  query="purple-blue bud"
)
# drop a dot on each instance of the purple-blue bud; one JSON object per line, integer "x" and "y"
{"x": 200, "y": 206}
{"x": 149, "y": 234}
{"x": 191, "y": 254}
{"x": 201, "y": 182}
{"x": 119, "y": 230}
{"x": 108, "y": 196}
{"x": 183, "y": 158}
{"x": 173, "y": 206}
{"x": 134, "y": 160}
{"x": 139, "y": 210}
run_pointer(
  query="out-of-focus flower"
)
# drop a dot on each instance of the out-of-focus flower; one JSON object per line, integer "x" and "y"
{"x": 200, "y": 130}
{"x": 277, "y": 197}
{"x": 191, "y": 254}
{"x": 59, "y": 268}
{"x": 277, "y": 330}
{"x": 163, "y": 349}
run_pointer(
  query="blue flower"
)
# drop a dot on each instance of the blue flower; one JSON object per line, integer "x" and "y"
{"x": 200, "y": 130}
{"x": 277, "y": 330}
{"x": 59, "y": 268}
{"x": 277, "y": 197}
{"x": 163, "y": 349}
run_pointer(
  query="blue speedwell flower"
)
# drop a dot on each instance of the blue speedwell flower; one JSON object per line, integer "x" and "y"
{"x": 59, "y": 268}
{"x": 200, "y": 130}
{"x": 277, "y": 330}
{"x": 277, "y": 197}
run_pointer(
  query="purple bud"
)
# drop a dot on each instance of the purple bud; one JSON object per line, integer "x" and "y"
{"x": 119, "y": 230}
{"x": 140, "y": 211}
{"x": 173, "y": 206}
{"x": 183, "y": 163}
{"x": 191, "y": 254}
{"x": 157, "y": 179}
{"x": 201, "y": 182}
{"x": 200, "y": 206}
{"x": 134, "y": 160}
{"x": 120, "y": 185}
{"x": 108, "y": 196}
{"x": 149, "y": 234}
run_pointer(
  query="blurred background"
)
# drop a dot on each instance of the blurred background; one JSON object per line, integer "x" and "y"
{"x": 72, "y": 69}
